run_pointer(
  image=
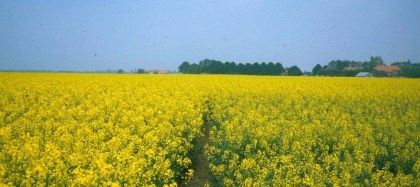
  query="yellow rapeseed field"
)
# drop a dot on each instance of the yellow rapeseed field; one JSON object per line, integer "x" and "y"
{"x": 96, "y": 130}
{"x": 283, "y": 131}
{"x": 138, "y": 130}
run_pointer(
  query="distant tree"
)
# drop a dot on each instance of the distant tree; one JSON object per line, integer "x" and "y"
{"x": 412, "y": 72}
{"x": 240, "y": 69}
{"x": 335, "y": 68}
{"x": 262, "y": 69}
{"x": 402, "y": 65}
{"x": 279, "y": 69}
{"x": 141, "y": 71}
{"x": 342, "y": 64}
{"x": 271, "y": 69}
{"x": 120, "y": 71}
{"x": 248, "y": 69}
{"x": 307, "y": 73}
{"x": 194, "y": 69}
{"x": 215, "y": 67}
{"x": 229, "y": 68}
{"x": 294, "y": 71}
{"x": 350, "y": 73}
{"x": 184, "y": 67}
{"x": 233, "y": 68}
{"x": 204, "y": 65}
{"x": 375, "y": 61}
{"x": 328, "y": 71}
{"x": 316, "y": 69}
{"x": 408, "y": 69}
{"x": 218, "y": 67}
{"x": 255, "y": 68}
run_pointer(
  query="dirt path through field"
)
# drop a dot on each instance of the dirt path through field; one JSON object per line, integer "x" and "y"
{"x": 202, "y": 175}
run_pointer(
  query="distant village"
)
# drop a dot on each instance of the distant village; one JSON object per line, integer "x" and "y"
{"x": 390, "y": 71}
{"x": 149, "y": 71}
{"x": 153, "y": 71}
{"x": 375, "y": 67}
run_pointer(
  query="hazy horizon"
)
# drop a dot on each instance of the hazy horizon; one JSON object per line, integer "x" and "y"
{"x": 102, "y": 35}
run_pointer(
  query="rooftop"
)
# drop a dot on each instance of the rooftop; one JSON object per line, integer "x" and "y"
{"x": 388, "y": 69}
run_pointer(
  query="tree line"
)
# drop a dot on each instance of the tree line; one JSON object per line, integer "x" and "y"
{"x": 348, "y": 68}
{"x": 409, "y": 69}
{"x": 208, "y": 66}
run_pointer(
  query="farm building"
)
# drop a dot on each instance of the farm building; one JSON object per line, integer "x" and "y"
{"x": 163, "y": 71}
{"x": 391, "y": 71}
{"x": 152, "y": 71}
{"x": 364, "y": 74}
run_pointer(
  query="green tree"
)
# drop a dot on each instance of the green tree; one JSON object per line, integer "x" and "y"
{"x": 316, "y": 69}
{"x": 409, "y": 69}
{"x": 194, "y": 69}
{"x": 216, "y": 67}
{"x": 375, "y": 61}
{"x": 248, "y": 69}
{"x": 279, "y": 69}
{"x": 230, "y": 68}
{"x": 271, "y": 69}
{"x": 204, "y": 65}
{"x": 141, "y": 71}
{"x": 184, "y": 67}
{"x": 240, "y": 69}
{"x": 120, "y": 71}
{"x": 328, "y": 71}
{"x": 342, "y": 64}
{"x": 294, "y": 71}
{"x": 262, "y": 69}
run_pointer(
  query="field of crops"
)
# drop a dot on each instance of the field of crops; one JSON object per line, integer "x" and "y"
{"x": 139, "y": 130}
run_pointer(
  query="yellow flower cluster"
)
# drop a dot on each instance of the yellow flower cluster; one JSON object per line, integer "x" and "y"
{"x": 278, "y": 131}
{"x": 96, "y": 130}
{"x": 138, "y": 130}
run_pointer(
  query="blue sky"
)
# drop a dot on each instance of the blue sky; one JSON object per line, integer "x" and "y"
{"x": 95, "y": 35}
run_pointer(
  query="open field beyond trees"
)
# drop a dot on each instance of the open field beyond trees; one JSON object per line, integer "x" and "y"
{"x": 143, "y": 130}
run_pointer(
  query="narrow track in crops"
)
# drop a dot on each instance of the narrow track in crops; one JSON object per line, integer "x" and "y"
{"x": 202, "y": 174}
